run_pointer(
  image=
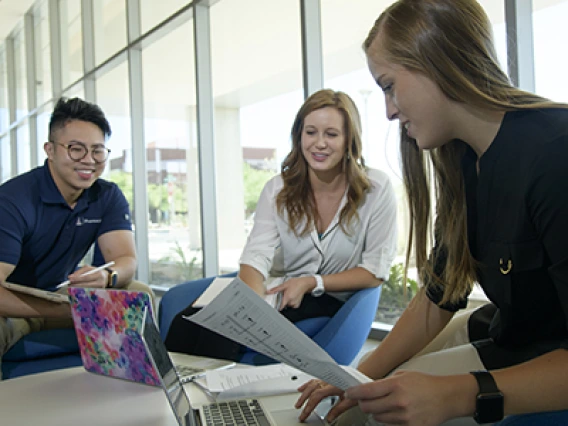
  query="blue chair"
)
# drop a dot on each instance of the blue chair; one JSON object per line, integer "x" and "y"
{"x": 341, "y": 336}
{"x": 551, "y": 418}
{"x": 42, "y": 351}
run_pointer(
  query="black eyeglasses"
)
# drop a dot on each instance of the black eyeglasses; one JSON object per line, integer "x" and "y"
{"x": 77, "y": 151}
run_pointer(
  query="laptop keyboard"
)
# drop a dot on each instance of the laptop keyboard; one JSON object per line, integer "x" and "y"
{"x": 244, "y": 412}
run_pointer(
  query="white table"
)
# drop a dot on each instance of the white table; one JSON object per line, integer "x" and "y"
{"x": 76, "y": 397}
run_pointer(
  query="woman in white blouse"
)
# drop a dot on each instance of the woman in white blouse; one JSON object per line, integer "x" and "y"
{"x": 324, "y": 228}
{"x": 327, "y": 224}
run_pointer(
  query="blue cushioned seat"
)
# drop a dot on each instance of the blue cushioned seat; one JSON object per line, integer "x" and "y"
{"x": 42, "y": 351}
{"x": 342, "y": 336}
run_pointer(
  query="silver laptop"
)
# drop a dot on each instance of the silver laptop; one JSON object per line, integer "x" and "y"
{"x": 268, "y": 411}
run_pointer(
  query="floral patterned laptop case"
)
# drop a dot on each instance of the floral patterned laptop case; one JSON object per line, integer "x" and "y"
{"x": 108, "y": 325}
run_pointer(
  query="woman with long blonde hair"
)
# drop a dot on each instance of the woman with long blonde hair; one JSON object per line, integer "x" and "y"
{"x": 324, "y": 211}
{"x": 324, "y": 227}
{"x": 494, "y": 158}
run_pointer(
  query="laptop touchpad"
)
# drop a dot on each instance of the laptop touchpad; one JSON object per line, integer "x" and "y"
{"x": 290, "y": 417}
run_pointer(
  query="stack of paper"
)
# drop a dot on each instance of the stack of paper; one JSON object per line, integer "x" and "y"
{"x": 251, "y": 382}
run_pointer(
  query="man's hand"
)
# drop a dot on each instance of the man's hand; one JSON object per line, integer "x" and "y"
{"x": 97, "y": 279}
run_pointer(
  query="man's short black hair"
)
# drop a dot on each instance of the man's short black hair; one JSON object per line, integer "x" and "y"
{"x": 67, "y": 110}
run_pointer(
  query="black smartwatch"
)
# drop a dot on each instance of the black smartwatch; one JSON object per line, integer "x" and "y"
{"x": 489, "y": 405}
{"x": 112, "y": 278}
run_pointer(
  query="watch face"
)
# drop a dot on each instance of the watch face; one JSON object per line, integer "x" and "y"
{"x": 489, "y": 408}
{"x": 317, "y": 292}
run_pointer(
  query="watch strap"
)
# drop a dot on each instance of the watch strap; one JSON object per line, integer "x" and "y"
{"x": 319, "y": 288}
{"x": 485, "y": 381}
{"x": 489, "y": 407}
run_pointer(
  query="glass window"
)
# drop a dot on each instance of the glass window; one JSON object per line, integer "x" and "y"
{"x": 5, "y": 160}
{"x": 550, "y": 61}
{"x": 257, "y": 88}
{"x": 154, "y": 12}
{"x": 23, "y": 152}
{"x": 75, "y": 91}
{"x": 21, "y": 77}
{"x": 171, "y": 150}
{"x": 496, "y": 12}
{"x": 42, "y": 49}
{"x": 4, "y": 111}
{"x": 43, "y": 117}
{"x": 110, "y": 28}
{"x": 345, "y": 69}
{"x": 113, "y": 98}
{"x": 71, "y": 41}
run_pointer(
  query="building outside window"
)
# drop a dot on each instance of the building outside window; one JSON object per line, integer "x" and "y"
{"x": 172, "y": 177}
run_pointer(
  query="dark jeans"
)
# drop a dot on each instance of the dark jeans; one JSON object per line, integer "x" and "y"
{"x": 187, "y": 337}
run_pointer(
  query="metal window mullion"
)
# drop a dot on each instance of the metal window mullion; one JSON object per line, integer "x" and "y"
{"x": 31, "y": 86}
{"x": 11, "y": 80}
{"x": 312, "y": 52}
{"x": 88, "y": 25}
{"x": 138, "y": 147}
{"x": 206, "y": 138}
{"x": 55, "y": 44}
{"x": 520, "y": 43}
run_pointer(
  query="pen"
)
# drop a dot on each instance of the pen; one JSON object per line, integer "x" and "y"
{"x": 192, "y": 378}
{"x": 92, "y": 271}
{"x": 204, "y": 388}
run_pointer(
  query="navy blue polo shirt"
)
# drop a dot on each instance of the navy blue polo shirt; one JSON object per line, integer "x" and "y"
{"x": 43, "y": 236}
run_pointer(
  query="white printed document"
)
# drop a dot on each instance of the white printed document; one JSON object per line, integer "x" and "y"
{"x": 254, "y": 382}
{"x": 238, "y": 313}
{"x": 219, "y": 284}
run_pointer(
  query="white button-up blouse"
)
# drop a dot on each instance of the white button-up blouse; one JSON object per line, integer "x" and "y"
{"x": 274, "y": 250}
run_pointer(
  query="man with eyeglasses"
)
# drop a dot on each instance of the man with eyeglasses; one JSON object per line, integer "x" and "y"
{"x": 52, "y": 215}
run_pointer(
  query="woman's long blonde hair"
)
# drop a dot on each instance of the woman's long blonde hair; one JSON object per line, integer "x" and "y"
{"x": 450, "y": 42}
{"x": 296, "y": 196}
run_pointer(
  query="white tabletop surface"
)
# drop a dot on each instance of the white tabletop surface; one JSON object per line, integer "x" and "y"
{"x": 76, "y": 397}
{"x": 73, "y": 396}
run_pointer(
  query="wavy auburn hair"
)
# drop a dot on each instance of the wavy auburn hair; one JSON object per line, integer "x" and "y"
{"x": 296, "y": 197}
{"x": 450, "y": 42}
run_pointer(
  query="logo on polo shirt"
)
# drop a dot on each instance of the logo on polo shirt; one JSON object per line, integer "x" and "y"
{"x": 84, "y": 221}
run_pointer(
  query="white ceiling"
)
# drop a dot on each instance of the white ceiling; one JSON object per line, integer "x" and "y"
{"x": 11, "y": 12}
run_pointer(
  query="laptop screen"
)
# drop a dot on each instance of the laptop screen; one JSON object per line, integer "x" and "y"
{"x": 162, "y": 362}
